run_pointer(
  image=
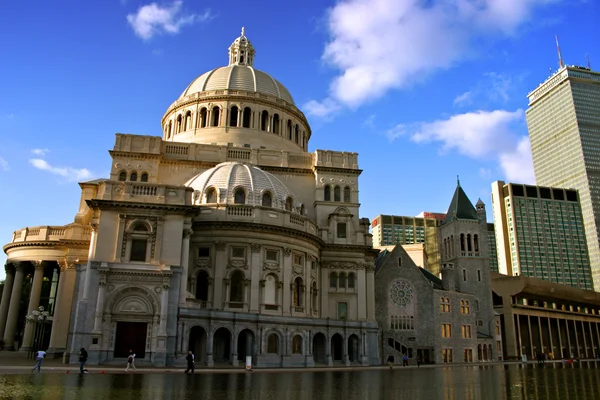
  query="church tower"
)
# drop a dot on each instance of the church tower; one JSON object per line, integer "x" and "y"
{"x": 465, "y": 247}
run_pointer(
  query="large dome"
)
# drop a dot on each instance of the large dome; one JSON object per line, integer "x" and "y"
{"x": 239, "y": 77}
{"x": 220, "y": 183}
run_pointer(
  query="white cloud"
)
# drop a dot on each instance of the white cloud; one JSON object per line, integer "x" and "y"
{"x": 518, "y": 165}
{"x": 4, "y": 165}
{"x": 326, "y": 108}
{"x": 483, "y": 135}
{"x": 463, "y": 99}
{"x": 152, "y": 19}
{"x": 72, "y": 174}
{"x": 378, "y": 45}
{"x": 485, "y": 173}
{"x": 40, "y": 152}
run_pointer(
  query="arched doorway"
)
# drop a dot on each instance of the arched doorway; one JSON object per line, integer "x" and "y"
{"x": 319, "y": 348}
{"x": 222, "y": 346}
{"x": 197, "y": 343}
{"x": 353, "y": 348}
{"x": 245, "y": 345}
{"x": 337, "y": 347}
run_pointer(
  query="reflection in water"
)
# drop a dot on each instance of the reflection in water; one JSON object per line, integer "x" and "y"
{"x": 552, "y": 381}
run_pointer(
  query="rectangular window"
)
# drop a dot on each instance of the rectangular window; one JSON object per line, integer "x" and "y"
{"x": 341, "y": 230}
{"x": 468, "y": 354}
{"x": 498, "y": 346}
{"x": 444, "y": 304}
{"x": 466, "y": 331}
{"x": 138, "y": 250}
{"x": 447, "y": 355}
{"x": 464, "y": 275}
{"x": 479, "y": 275}
{"x": 238, "y": 252}
{"x": 479, "y": 322}
{"x": 497, "y": 328}
{"x": 446, "y": 331}
{"x": 271, "y": 255}
{"x": 464, "y": 307}
{"x": 342, "y": 310}
{"x": 298, "y": 259}
{"x": 203, "y": 252}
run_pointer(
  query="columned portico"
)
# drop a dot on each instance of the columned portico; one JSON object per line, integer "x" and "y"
{"x": 8, "y": 285}
{"x": 34, "y": 302}
{"x": 13, "y": 309}
{"x": 62, "y": 310}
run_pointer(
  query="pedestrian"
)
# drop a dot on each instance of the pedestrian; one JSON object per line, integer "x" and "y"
{"x": 130, "y": 361}
{"x": 40, "y": 355}
{"x": 419, "y": 360}
{"x": 190, "y": 362}
{"x": 405, "y": 360}
{"x": 82, "y": 359}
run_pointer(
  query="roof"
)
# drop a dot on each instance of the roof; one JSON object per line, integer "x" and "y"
{"x": 461, "y": 207}
{"x": 435, "y": 281}
{"x": 380, "y": 259}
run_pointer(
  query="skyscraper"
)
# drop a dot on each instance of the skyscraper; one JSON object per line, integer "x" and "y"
{"x": 564, "y": 129}
{"x": 539, "y": 233}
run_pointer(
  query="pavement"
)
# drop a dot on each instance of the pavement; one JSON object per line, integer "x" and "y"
{"x": 12, "y": 362}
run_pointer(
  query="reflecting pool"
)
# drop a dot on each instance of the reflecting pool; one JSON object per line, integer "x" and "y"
{"x": 552, "y": 381}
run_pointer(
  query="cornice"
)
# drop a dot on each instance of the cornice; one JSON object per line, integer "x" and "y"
{"x": 335, "y": 170}
{"x": 48, "y": 243}
{"x": 98, "y": 204}
{"x": 136, "y": 155}
{"x": 289, "y": 170}
{"x": 252, "y": 226}
{"x": 350, "y": 247}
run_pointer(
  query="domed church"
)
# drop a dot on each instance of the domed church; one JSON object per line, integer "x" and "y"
{"x": 225, "y": 236}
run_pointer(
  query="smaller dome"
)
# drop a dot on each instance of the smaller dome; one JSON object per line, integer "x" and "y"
{"x": 220, "y": 184}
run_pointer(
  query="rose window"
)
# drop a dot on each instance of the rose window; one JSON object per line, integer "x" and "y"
{"x": 401, "y": 293}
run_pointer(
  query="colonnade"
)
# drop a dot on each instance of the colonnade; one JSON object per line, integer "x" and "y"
{"x": 558, "y": 336}
{"x": 56, "y": 281}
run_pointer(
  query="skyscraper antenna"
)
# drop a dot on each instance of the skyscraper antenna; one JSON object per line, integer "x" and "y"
{"x": 587, "y": 58}
{"x": 560, "y": 60}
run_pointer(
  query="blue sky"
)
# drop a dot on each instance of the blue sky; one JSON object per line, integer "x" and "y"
{"x": 422, "y": 90}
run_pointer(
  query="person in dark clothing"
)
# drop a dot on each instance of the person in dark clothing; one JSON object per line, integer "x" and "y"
{"x": 83, "y": 356}
{"x": 419, "y": 360}
{"x": 190, "y": 362}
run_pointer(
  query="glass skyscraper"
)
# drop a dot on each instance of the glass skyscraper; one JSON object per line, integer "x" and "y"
{"x": 564, "y": 129}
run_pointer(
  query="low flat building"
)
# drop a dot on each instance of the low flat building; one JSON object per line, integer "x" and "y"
{"x": 539, "y": 316}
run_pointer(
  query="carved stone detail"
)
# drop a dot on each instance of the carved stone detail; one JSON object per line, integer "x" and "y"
{"x": 271, "y": 266}
{"x": 346, "y": 265}
{"x": 237, "y": 264}
{"x": 298, "y": 269}
{"x": 202, "y": 263}
{"x": 287, "y": 251}
{"x": 187, "y": 233}
{"x": 220, "y": 246}
{"x": 255, "y": 247}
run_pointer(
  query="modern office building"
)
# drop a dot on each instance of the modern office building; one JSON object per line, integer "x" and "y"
{"x": 564, "y": 125}
{"x": 493, "y": 250}
{"x": 540, "y": 234}
{"x": 390, "y": 230}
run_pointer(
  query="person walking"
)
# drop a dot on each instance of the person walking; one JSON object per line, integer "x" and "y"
{"x": 83, "y": 356}
{"x": 39, "y": 358}
{"x": 130, "y": 361}
{"x": 405, "y": 360}
{"x": 419, "y": 360}
{"x": 190, "y": 362}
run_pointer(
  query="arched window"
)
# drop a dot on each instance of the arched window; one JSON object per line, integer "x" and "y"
{"x": 271, "y": 289}
{"x": 327, "y": 193}
{"x": 211, "y": 195}
{"x": 133, "y": 177}
{"x": 347, "y": 194}
{"x": 236, "y": 291}
{"x": 233, "y": 116}
{"x": 264, "y": 121}
{"x": 140, "y": 227}
{"x": 275, "y": 128}
{"x": 239, "y": 196}
{"x": 246, "y": 117}
{"x": 297, "y": 134}
{"x": 188, "y": 121}
{"x": 477, "y": 305}
{"x": 451, "y": 245}
{"x": 297, "y": 345}
{"x": 298, "y": 292}
{"x": 351, "y": 280}
{"x": 267, "y": 200}
{"x": 476, "y": 243}
{"x": 315, "y": 296}
{"x": 462, "y": 242}
{"x": 333, "y": 280}
{"x": 202, "y": 120}
{"x": 342, "y": 281}
{"x": 273, "y": 344}
{"x": 144, "y": 177}
{"x": 302, "y": 210}
{"x": 216, "y": 113}
{"x": 178, "y": 126}
{"x": 169, "y": 128}
{"x": 202, "y": 286}
{"x": 469, "y": 244}
{"x": 289, "y": 204}
{"x": 289, "y": 129}
{"x": 122, "y": 176}
{"x": 336, "y": 194}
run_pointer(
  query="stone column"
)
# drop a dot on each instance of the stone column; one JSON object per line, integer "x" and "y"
{"x": 13, "y": 308}
{"x": 185, "y": 260}
{"x": 370, "y": 275}
{"x": 62, "y": 310}
{"x": 164, "y": 303}
{"x": 88, "y": 269}
{"x": 255, "y": 272}
{"x": 220, "y": 266}
{"x": 8, "y": 284}
{"x": 34, "y": 302}
{"x": 100, "y": 305}
{"x": 287, "y": 281}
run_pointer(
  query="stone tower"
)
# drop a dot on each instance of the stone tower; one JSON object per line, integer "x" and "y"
{"x": 465, "y": 246}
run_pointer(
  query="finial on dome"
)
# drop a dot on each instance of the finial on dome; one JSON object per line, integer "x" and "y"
{"x": 241, "y": 51}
